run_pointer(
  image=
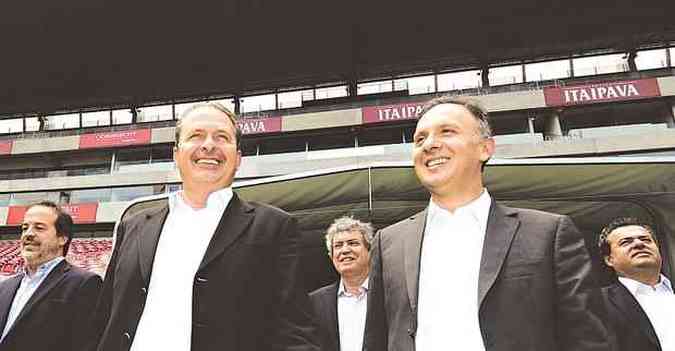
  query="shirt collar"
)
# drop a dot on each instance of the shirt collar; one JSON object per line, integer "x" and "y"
{"x": 217, "y": 200}
{"x": 43, "y": 269}
{"x": 635, "y": 286}
{"x": 478, "y": 209}
{"x": 343, "y": 292}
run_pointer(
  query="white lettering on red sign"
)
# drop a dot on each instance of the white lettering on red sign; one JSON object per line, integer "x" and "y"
{"x": 396, "y": 112}
{"x": 252, "y": 127}
{"x": 584, "y": 94}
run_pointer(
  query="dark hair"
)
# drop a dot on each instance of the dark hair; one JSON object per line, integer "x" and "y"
{"x": 603, "y": 243}
{"x": 63, "y": 223}
{"x": 472, "y": 105}
{"x": 215, "y": 105}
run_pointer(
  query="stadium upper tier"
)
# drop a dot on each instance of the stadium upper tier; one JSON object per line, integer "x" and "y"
{"x": 98, "y": 170}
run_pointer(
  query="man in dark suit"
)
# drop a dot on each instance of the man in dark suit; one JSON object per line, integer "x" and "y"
{"x": 640, "y": 303}
{"x": 340, "y": 308}
{"x": 202, "y": 269}
{"x": 469, "y": 273}
{"x": 48, "y": 305}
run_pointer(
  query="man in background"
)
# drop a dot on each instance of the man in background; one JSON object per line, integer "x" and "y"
{"x": 48, "y": 305}
{"x": 340, "y": 308}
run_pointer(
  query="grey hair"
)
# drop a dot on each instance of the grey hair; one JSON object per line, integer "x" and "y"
{"x": 346, "y": 224}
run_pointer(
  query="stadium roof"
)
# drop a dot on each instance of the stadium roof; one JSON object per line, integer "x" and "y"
{"x": 74, "y": 53}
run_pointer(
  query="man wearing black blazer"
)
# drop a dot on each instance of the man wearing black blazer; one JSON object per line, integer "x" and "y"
{"x": 47, "y": 306}
{"x": 201, "y": 269}
{"x": 468, "y": 273}
{"x": 340, "y": 308}
{"x": 640, "y": 302}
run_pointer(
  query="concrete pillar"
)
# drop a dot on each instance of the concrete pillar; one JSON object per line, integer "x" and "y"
{"x": 552, "y": 126}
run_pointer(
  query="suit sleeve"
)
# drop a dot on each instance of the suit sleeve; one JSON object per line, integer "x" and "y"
{"x": 579, "y": 307}
{"x": 375, "y": 338}
{"x": 295, "y": 327}
{"x": 87, "y": 296}
{"x": 104, "y": 302}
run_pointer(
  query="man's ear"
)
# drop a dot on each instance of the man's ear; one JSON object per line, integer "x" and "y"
{"x": 608, "y": 261}
{"x": 487, "y": 149}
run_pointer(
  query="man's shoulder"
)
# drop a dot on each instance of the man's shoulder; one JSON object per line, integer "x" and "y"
{"x": 527, "y": 215}
{"x": 144, "y": 206}
{"x": 325, "y": 290}
{"x": 403, "y": 226}
{"x": 269, "y": 211}
{"x": 80, "y": 273}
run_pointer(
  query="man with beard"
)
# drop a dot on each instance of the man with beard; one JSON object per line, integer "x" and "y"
{"x": 201, "y": 269}
{"x": 47, "y": 306}
{"x": 640, "y": 302}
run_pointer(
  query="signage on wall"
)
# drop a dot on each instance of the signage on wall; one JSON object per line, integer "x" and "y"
{"x": 6, "y": 147}
{"x": 109, "y": 139}
{"x": 601, "y": 92}
{"x": 259, "y": 125}
{"x": 81, "y": 213}
{"x": 390, "y": 113}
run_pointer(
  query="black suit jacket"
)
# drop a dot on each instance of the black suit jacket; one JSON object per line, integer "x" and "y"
{"x": 247, "y": 294}
{"x": 629, "y": 326}
{"x": 57, "y": 315}
{"x": 535, "y": 290}
{"x": 324, "y": 305}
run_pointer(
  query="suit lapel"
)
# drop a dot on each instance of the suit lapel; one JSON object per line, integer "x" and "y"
{"x": 501, "y": 227}
{"x": 7, "y": 297}
{"x": 413, "y": 251}
{"x": 626, "y": 303}
{"x": 331, "y": 302}
{"x": 232, "y": 225}
{"x": 51, "y": 281}
{"x": 147, "y": 242}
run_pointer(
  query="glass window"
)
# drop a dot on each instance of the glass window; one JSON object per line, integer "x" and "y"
{"x": 129, "y": 159}
{"x": 161, "y": 153}
{"x": 155, "y": 113}
{"x": 123, "y": 116}
{"x": 334, "y": 141}
{"x": 382, "y": 86}
{"x": 331, "y": 92}
{"x": 603, "y": 64}
{"x": 381, "y": 136}
{"x": 95, "y": 119}
{"x": 181, "y": 108}
{"x": 292, "y": 99}
{"x": 134, "y": 192}
{"x": 547, "y": 70}
{"x": 229, "y": 103}
{"x": 651, "y": 59}
{"x": 14, "y": 125}
{"x": 90, "y": 195}
{"x": 257, "y": 103}
{"x": 459, "y": 80}
{"x": 506, "y": 75}
{"x": 56, "y": 122}
{"x": 32, "y": 124}
{"x": 416, "y": 85}
{"x": 24, "y": 199}
{"x": 671, "y": 51}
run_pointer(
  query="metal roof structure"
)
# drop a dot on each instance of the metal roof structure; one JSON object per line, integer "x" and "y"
{"x": 73, "y": 53}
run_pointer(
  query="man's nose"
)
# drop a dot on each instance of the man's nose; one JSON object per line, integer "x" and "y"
{"x": 208, "y": 144}
{"x": 430, "y": 143}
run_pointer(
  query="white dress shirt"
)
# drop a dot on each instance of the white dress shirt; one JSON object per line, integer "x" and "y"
{"x": 166, "y": 322}
{"x": 658, "y": 302}
{"x": 447, "y": 316}
{"x": 352, "y": 316}
{"x": 29, "y": 284}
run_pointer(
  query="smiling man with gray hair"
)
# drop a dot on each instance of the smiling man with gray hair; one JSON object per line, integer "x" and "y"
{"x": 340, "y": 308}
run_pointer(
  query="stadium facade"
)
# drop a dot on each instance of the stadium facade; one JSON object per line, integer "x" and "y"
{"x": 96, "y": 160}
